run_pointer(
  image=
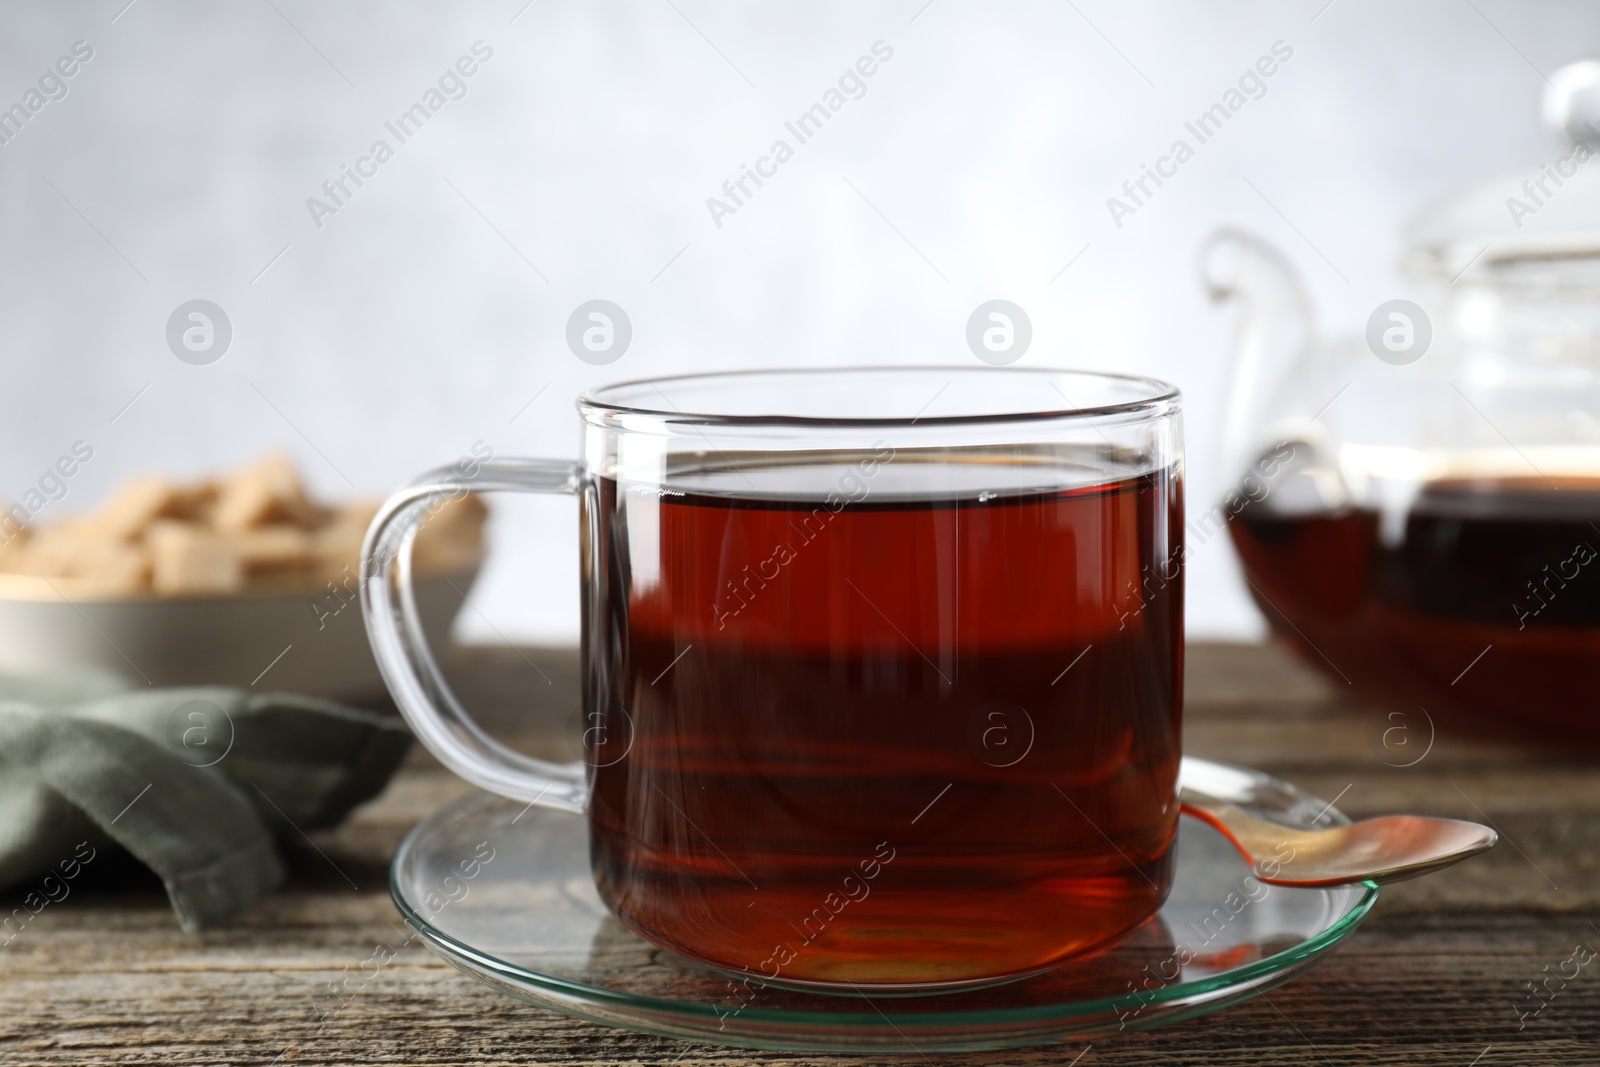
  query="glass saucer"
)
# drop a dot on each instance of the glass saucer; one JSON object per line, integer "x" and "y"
{"x": 503, "y": 892}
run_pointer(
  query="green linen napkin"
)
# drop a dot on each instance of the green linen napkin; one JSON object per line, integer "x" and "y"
{"x": 195, "y": 783}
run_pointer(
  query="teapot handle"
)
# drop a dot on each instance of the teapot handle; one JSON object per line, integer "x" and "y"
{"x": 1274, "y": 343}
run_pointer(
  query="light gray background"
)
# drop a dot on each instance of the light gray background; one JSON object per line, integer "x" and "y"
{"x": 416, "y": 321}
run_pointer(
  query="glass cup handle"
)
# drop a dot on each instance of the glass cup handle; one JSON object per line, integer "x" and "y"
{"x": 389, "y": 604}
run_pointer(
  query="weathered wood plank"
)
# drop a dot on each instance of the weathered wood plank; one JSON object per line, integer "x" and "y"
{"x": 1436, "y": 976}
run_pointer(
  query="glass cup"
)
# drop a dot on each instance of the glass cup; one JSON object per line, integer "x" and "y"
{"x": 882, "y": 667}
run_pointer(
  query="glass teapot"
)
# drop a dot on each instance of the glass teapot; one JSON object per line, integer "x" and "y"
{"x": 1418, "y": 508}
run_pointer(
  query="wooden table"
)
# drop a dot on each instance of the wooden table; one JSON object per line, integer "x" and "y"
{"x": 1438, "y": 975}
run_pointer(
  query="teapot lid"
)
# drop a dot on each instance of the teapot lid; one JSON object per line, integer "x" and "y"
{"x": 1537, "y": 227}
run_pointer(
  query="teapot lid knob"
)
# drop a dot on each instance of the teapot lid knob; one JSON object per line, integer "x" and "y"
{"x": 1569, "y": 109}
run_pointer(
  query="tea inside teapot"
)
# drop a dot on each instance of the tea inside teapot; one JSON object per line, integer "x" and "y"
{"x": 1470, "y": 590}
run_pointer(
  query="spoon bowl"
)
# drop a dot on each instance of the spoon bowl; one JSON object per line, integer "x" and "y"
{"x": 1390, "y": 848}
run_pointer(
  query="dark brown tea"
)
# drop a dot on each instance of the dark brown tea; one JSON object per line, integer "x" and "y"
{"x": 891, "y": 722}
{"x": 1483, "y": 604}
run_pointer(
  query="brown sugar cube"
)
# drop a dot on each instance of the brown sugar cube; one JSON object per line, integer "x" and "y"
{"x": 264, "y": 493}
{"x": 112, "y": 566}
{"x": 272, "y": 545}
{"x": 187, "y": 558}
{"x": 243, "y": 503}
{"x": 14, "y": 526}
{"x": 14, "y": 540}
{"x": 273, "y": 549}
{"x": 134, "y": 507}
{"x": 13, "y": 556}
{"x": 195, "y": 503}
{"x": 460, "y": 519}
{"x": 53, "y": 550}
{"x": 277, "y": 471}
{"x": 451, "y": 539}
{"x": 357, "y": 513}
{"x": 339, "y": 544}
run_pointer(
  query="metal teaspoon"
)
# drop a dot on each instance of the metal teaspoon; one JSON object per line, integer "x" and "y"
{"x": 1390, "y": 848}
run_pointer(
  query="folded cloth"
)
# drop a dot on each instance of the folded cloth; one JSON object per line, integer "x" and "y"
{"x": 195, "y": 783}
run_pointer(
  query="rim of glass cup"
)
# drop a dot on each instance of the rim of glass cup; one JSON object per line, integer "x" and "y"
{"x": 1149, "y": 398}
